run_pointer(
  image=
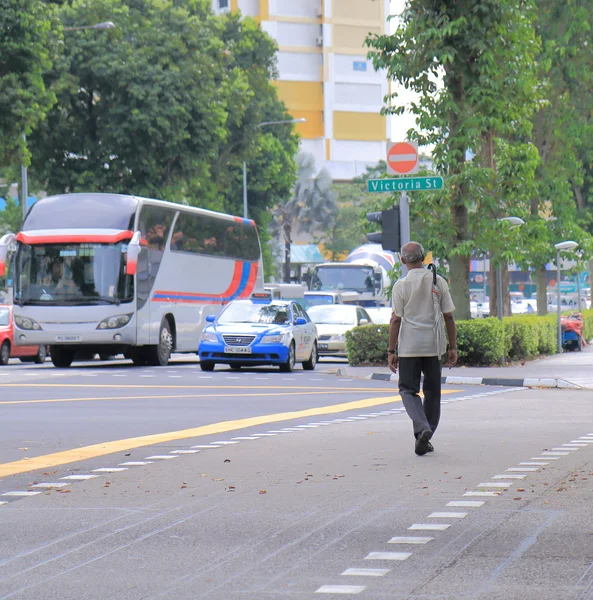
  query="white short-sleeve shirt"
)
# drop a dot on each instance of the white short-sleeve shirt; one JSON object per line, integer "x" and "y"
{"x": 412, "y": 301}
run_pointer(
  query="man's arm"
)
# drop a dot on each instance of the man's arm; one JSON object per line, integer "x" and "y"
{"x": 452, "y": 335}
{"x": 394, "y": 327}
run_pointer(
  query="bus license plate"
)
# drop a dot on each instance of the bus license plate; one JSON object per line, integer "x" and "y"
{"x": 237, "y": 350}
{"x": 68, "y": 338}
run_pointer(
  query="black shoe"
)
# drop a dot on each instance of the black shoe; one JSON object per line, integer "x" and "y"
{"x": 430, "y": 447}
{"x": 423, "y": 442}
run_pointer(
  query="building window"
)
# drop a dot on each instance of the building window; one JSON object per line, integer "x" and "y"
{"x": 223, "y": 4}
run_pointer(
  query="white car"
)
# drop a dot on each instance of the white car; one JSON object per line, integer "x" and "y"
{"x": 380, "y": 314}
{"x": 333, "y": 321}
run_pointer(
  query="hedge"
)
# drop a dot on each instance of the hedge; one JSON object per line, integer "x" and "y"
{"x": 479, "y": 341}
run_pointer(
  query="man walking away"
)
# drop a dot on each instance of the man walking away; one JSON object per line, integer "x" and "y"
{"x": 414, "y": 340}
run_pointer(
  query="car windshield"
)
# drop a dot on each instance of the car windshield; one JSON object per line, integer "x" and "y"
{"x": 356, "y": 278}
{"x": 4, "y": 317}
{"x": 247, "y": 312}
{"x": 318, "y": 299}
{"x": 333, "y": 315}
{"x": 72, "y": 274}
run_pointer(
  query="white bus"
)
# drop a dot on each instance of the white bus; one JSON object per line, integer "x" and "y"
{"x": 111, "y": 274}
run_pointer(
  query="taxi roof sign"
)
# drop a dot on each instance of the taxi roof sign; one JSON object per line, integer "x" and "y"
{"x": 262, "y": 296}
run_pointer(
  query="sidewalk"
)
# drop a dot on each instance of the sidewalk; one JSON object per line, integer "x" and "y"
{"x": 572, "y": 370}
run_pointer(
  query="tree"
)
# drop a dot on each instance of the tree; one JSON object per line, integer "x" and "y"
{"x": 11, "y": 217}
{"x": 311, "y": 207}
{"x": 29, "y": 38}
{"x": 483, "y": 51}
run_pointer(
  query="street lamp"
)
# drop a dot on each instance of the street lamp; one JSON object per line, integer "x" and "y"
{"x": 284, "y": 122}
{"x": 568, "y": 245}
{"x": 24, "y": 171}
{"x": 515, "y": 222}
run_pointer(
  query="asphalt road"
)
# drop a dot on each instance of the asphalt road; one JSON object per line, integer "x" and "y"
{"x": 269, "y": 486}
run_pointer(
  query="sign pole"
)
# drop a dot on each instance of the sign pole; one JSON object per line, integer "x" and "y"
{"x": 404, "y": 223}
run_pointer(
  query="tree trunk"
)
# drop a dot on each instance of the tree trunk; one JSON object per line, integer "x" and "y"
{"x": 506, "y": 291}
{"x": 287, "y": 244}
{"x": 541, "y": 282}
{"x": 459, "y": 274}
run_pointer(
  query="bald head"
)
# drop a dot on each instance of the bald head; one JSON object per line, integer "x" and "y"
{"x": 411, "y": 253}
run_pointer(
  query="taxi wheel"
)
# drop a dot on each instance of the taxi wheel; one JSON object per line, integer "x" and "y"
{"x": 288, "y": 366}
{"x": 309, "y": 365}
{"x": 207, "y": 365}
{"x": 41, "y": 355}
{"x": 5, "y": 353}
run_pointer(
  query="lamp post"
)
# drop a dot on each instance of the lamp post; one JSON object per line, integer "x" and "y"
{"x": 514, "y": 222}
{"x": 284, "y": 122}
{"x": 24, "y": 170}
{"x": 568, "y": 245}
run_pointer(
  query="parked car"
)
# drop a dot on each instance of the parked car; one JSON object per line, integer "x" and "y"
{"x": 333, "y": 321}
{"x": 8, "y": 349}
{"x": 380, "y": 314}
{"x": 259, "y": 331}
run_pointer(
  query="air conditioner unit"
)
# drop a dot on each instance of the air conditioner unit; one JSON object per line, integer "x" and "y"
{"x": 319, "y": 41}
{"x": 319, "y": 11}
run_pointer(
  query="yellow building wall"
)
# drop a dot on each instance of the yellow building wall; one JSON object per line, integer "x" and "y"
{"x": 356, "y": 126}
{"x": 349, "y": 36}
{"x": 302, "y": 95}
{"x": 357, "y": 10}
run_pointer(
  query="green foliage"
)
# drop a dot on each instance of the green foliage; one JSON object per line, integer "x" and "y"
{"x": 367, "y": 345}
{"x": 11, "y": 217}
{"x": 168, "y": 105}
{"x": 480, "y": 341}
{"x": 29, "y": 38}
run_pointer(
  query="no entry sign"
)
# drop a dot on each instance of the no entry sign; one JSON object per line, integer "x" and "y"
{"x": 402, "y": 158}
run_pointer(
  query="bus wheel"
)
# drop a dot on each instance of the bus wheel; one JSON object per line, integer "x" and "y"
{"x": 5, "y": 353}
{"x": 207, "y": 365}
{"x": 159, "y": 355}
{"x": 61, "y": 357}
{"x": 236, "y": 367}
{"x": 138, "y": 356}
{"x": 288, "y": 366}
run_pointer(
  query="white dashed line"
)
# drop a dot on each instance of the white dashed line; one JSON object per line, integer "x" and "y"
{"x": 410, "y": 540}
{"x": 564, "y": 449}
{"x": 447, "y": 515}
{"x": 253, "y": 437}
{"x": 429, "y": 527}
{"x": 366, "y": 572}
{"x": 555, "y": 453}
{"x": 160, "y": 457}
{"x": 534, "y": 464}
{"x": 3, "y": 502}
{"x": 482, "y": 494}
{"x": 574, "y": 446}
{"x": 205, "y": 447}
{"x": 509, "y": 476}
{"x": 341, "y": 589}
{"x": 135, "y": 463}
{"x": 20, "y": 494}
{"x": 225, "y": 442}
{"x": 49, "y": 486}
{"x": 184, "y": 451}
{"x": 79, "y": 477}
{"x": 523, "y": 469}
{"x": 466, "y": 503}
{"x": 495, "y": 484}
{"x": 109, "y": 470}
{"x": 388, "y": 556}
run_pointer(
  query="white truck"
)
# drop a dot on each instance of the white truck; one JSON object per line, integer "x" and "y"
{"x": 365, "y": 271}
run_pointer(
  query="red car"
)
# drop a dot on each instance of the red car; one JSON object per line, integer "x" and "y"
{"x": 8, "y": 350}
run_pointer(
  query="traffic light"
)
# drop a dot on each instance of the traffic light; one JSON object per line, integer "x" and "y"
{"x": 389, "y": 238}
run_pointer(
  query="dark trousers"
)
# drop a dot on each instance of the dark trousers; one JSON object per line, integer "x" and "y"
{"x": 424, "y": 415}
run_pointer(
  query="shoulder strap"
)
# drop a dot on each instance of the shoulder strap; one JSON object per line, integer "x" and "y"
{"x": 432, "y": 267}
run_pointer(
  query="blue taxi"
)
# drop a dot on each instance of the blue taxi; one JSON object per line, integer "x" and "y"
{"x": 259, "y": 331}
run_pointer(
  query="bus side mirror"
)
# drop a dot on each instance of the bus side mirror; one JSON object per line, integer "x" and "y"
{"x": 6, "y": 242}
{"x": 134, "y": 249}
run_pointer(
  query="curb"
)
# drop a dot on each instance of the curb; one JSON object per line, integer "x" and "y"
{"x": 530, "y": 382}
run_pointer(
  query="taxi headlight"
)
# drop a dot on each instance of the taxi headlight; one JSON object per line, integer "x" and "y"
{"x": 209, "y": 337}
{"x": 276, "y": 338}
{"x": 115, "y": 322}
{"x": 27, "y": 323}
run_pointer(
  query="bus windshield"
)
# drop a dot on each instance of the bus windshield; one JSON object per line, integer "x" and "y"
{"x": 72, "y": 274}
{"x": 356, "y": 278}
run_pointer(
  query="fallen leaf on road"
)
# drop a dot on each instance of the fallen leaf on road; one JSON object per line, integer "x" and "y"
{"x": 370, "y": 433}
{"x": 520, "y": 489}
{"x": 23, "y": 448}
{"x": 459, "y": 477}
{"x": 262, "y": 492}
{"x": 64, "y": 491}
{"x": 218, "y": 479}
{"x": 226, "y": 460}
{"x": 203, "y": 474}
{"x": 518, "y": 498}
{"x": 182, "y": 486}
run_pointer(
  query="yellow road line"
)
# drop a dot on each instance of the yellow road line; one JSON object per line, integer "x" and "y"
{"x": 69, "y": 456}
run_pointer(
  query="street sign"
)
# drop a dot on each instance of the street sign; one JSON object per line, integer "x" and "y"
{"x": 405, "y": 184}
{"x": 402, "y": 158}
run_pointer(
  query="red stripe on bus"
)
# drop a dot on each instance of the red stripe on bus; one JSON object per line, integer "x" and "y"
{"x": 74, "y": 238}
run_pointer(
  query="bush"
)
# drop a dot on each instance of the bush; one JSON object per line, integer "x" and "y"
{"x": 367, "y": 345}
{"x": 480, "y": 341}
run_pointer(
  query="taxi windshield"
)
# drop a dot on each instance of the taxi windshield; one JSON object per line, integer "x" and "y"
{"x": 247, "y": 312}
